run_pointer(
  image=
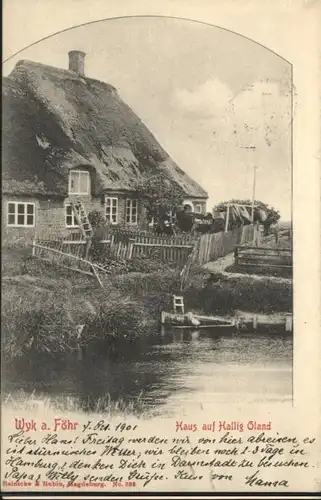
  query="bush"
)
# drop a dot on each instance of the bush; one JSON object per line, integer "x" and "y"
{"x": 224, "y": 295}
{"x": 115, "y": 320}
{"x": 97, "y": 219}
{"x": 146, "y": 283}
{"x": 34, "y": 324}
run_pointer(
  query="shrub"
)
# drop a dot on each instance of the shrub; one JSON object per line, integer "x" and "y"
{"x": 115, "y": 320}
{"x": 224, "y": 295}
{"x": 97, "y": 219}
{"x": 33, "y": 325}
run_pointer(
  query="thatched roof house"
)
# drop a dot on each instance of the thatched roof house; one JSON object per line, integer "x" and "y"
{"x": 57, "y": 121}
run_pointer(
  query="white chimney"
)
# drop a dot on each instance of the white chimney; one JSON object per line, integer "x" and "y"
{"x": 77, "y": 62}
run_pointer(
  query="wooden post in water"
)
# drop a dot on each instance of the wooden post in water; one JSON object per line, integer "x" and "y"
{"x": 255, "y": 322}
{"x": 163, "y": 316}
{"x": 288, "y": 322}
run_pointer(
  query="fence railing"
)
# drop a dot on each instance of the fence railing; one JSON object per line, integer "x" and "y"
{"x": 162, "y": 252}
{"x": 127, "y": 245}
{"x": 144, "y": 237}
{"x": 46, "y": 234}
{"x": 249, "y": 233}
{"x": 263, "y": 256}
{"x": 216, "y": 245}
{"x": 72, "y": 246}
{"x": 68, "y": 261}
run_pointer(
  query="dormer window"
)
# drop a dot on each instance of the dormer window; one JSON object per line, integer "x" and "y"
{"x": 79, "y": 182}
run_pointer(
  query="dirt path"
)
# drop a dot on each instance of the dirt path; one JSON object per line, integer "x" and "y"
{"x": 219, "y": 265}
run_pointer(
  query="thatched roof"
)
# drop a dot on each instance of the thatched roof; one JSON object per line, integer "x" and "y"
{"x": 55, "y": 120}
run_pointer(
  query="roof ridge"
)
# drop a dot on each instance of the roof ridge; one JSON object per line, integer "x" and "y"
{"x": 78, "y": 121}
{"x": 57, "y": 71}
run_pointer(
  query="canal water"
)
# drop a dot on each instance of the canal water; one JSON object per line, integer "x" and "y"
{"x": 180, "y": 371}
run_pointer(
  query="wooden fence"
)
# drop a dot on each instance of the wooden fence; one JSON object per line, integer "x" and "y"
{"x": 72, "y": 243}
{"x": 46, "y": 234}
{"x": 144, "y": 237}
{"x": 214, "y": 246}
{"x": 249, "y": 234}
{"x": 127, "y": 245}
{"x": 163, "y": 252}
{"x": 263, "y": 256}
{"x": 68, "y": 261}
{"x": 122, "y": 250}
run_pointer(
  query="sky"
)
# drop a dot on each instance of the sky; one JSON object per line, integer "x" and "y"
{"x": 220, "y": 104}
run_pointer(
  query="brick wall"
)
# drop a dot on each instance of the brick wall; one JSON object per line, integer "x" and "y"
{"x": 50, "y": 216}
{"x": 16, "y": 235}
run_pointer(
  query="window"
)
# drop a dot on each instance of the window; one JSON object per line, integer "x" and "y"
{"x": 131, "y": 211}
{"x": 198, "y": 208}
{"x": 79, "y": 182}
{"x": 21, "y": 214}
{"x": 71, "y": 220}
{"x": 111, "y": 209}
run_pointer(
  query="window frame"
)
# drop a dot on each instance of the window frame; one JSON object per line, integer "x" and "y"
{"x": 25, "y": 214}
{"x": 131, "y": 200}
{"x": 109, "y": 219}
{"x": 200, "y": 207}
{"x": 76, "y": 225}
{"x": 79, "y": 193}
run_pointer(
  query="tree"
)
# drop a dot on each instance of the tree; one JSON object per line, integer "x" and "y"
{"x": 160, "y": 195}
{"x": 273, "y": 215}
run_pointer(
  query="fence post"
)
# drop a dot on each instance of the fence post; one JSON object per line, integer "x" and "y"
{"x": 288, "y": 322}
{"x": 236, "y": 255}
{"x": 255, "y": 322}
{"x": 227, "y": 217}
{"x": 130, "y": 248}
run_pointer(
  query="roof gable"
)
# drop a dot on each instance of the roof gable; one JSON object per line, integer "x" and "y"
{"x": 55, "y": 120}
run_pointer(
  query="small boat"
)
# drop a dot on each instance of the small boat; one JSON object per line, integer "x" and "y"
{"x": 239, "y": 322}
{"x": 191, "y": 320}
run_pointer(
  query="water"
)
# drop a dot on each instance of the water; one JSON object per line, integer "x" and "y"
{"x": 180, "y": 371}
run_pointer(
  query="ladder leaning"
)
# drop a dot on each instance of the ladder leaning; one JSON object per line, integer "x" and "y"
{"x": 82, "y": 219}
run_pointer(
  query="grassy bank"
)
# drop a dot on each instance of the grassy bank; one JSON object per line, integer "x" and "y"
{"x": 221, "y": 293}
{"x": 104, "y": 405}
{"x": 265, "y": 270}
{"x": 43, "y": 306}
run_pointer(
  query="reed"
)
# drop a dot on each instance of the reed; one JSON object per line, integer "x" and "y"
{"x": 103, "y": 405}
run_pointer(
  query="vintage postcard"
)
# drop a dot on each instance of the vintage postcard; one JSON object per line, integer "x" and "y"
{"x": 161, "y": 249}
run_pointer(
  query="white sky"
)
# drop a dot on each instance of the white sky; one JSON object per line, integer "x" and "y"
{"x": 206, "y": 93}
